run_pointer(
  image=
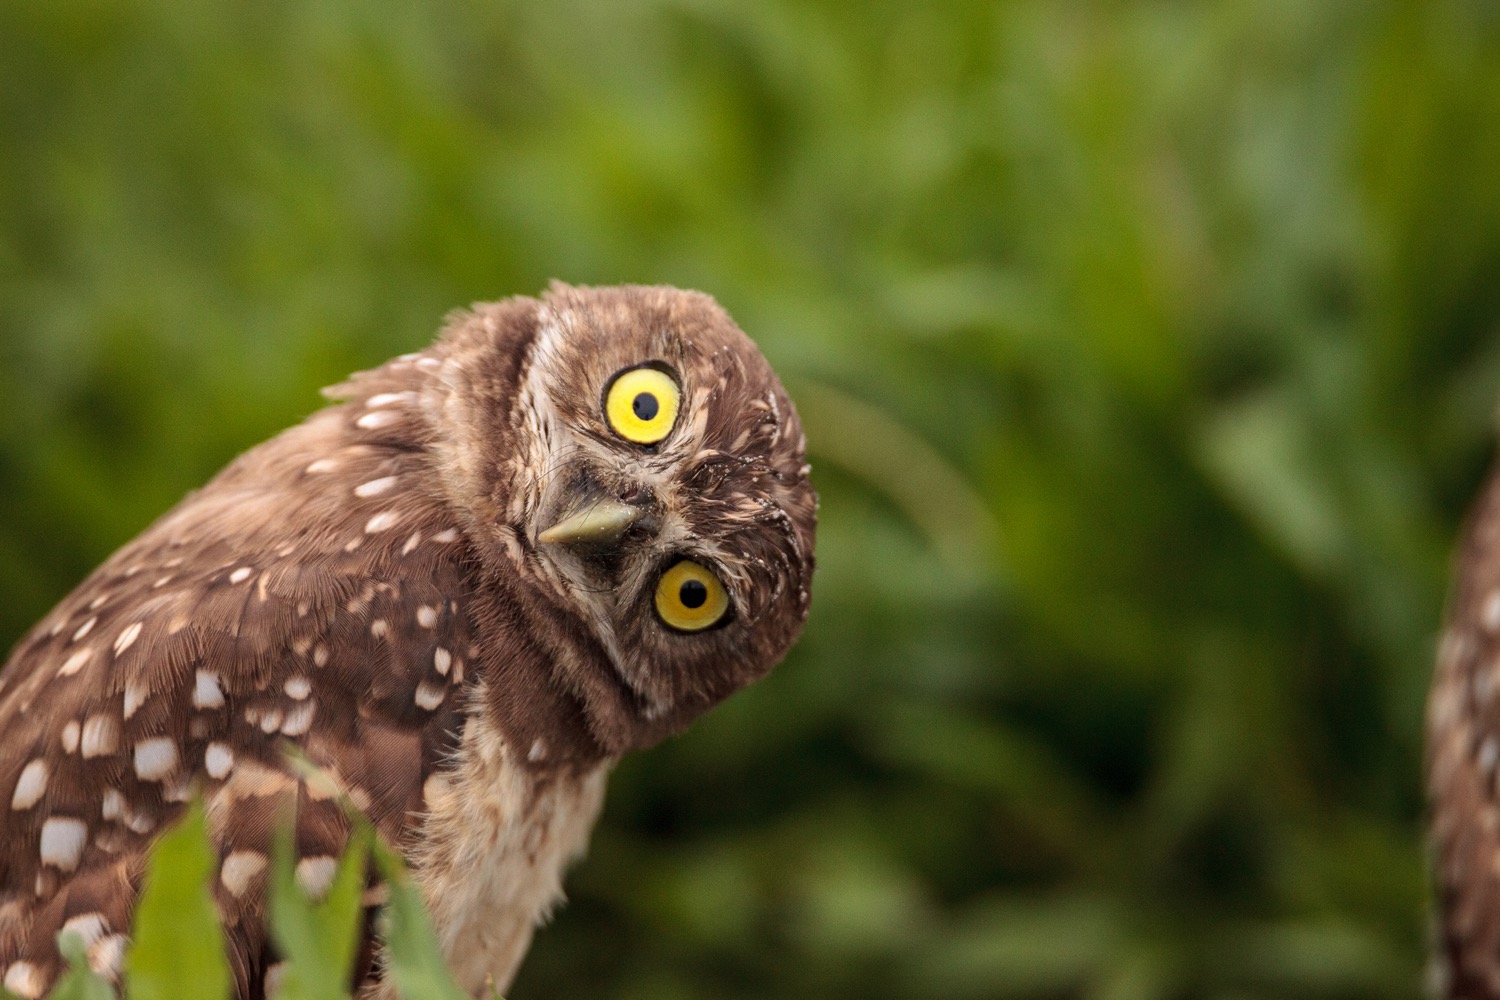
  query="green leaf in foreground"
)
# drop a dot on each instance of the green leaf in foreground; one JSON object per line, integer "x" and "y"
{"x": 413, "y": 957}
{"x": 320, "y": 939}
{"x": 79, "y": 982}
{"x": 178, "y": 950}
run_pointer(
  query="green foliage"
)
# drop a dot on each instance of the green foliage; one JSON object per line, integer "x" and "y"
{"x": 176, "y": 949}
{"x": 319, "y": 940}
{"x": 1148, "y": 358}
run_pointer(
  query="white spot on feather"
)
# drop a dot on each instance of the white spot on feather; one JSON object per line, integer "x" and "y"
{"x": 1490, "y": 614}
{"x": 106, "y": 956}
{"x": 316, "y": 874}
{"x": 377, "y": 419}
{"x": 427, "y": 616}
{"x": 155, "y": 758}
{"x": 112, "y": 806}
{"x": 206, "y": 690}
{"x": 24, "y": 980}
{"x": 320, "y": 656}
{"x": 442, "y": 660}
{"x": 299, "y": 718}
{"x": 383, "y": 521}
{"x": 537, "y": 752}
{"x": 136, "y": 694}
{"x": 127, "y": 637}
{"x": 89, "y": 926}
{"x": 239, "y": 869}
{"x": 62, "y": 843}
{"x": 31, "y": 786}
{"x": 297, "y": 687}
{"x": 387, "y": 398}
{"x": 74, "y": 663}
{"x": 375, "y": 487}
{"x": 70, "y": 734}
{"x": 445, "y": 537}
{"x": 240, "y": 575}
{"x": 218, "y": 760}
{"x": 101, "y": 736}
{"x": 379, "y": 629}
{"x": 429, "y": 696}
{"x": 85, "y": 629}
{"x": 322, "y": 465}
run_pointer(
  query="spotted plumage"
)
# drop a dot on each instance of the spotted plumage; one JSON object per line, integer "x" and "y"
{"x": 1463, "y": 780}
{"x": 373, "y": 586}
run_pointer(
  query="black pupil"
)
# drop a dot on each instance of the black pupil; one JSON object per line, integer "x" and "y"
{"x": 693, "y": 594}
{"x": 645, "y": 406}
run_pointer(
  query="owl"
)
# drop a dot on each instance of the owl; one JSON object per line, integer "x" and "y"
{"x": 463, "y": 591}
{"x": 1463, "y": 768}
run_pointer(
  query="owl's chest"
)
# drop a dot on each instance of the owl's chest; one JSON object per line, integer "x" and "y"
{"x": 495, "y": 843}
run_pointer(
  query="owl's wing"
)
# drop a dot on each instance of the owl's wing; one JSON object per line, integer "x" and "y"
{"x": 307, "y": 595}
{"x": 1463, "y": 751}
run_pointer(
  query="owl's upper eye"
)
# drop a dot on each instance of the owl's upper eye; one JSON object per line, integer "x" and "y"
{"x": 690, "y": 598}
{"x": 641, "y": 405}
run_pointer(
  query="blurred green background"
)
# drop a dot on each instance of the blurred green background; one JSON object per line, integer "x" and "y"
{"x": 1148, "y": 355}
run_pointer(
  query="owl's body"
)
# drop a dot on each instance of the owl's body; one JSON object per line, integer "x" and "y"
{"x": 1463, "y": 767}
{"x": 415, "y": 587}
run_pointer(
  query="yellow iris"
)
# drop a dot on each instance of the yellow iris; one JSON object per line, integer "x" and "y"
{"x": 641, "y": 405}
{"x": 690, "y": 598}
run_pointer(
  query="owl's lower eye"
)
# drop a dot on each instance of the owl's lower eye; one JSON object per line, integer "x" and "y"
{"x": 641, "y": 405}
{"x": 690, "y": 598}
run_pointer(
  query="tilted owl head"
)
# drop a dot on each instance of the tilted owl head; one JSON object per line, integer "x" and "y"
{"x": 638, "y": 480}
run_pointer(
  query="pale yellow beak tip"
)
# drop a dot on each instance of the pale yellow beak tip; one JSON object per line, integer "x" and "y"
{"x": 598, "y": 523}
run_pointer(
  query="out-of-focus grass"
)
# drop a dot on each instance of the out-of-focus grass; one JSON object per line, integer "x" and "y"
{"x": 1149, "y": 359}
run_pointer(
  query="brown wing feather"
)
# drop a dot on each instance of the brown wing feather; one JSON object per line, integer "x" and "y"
{"x": 305, "y": 595}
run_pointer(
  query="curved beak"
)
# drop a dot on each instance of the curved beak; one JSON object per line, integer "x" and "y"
{"x": 601, "y": 522}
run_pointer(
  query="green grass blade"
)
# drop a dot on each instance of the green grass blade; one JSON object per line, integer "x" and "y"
{"x": 413, "y": 957}
{"x": 178, "y": 950}
{"x": 320, "y": 939}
